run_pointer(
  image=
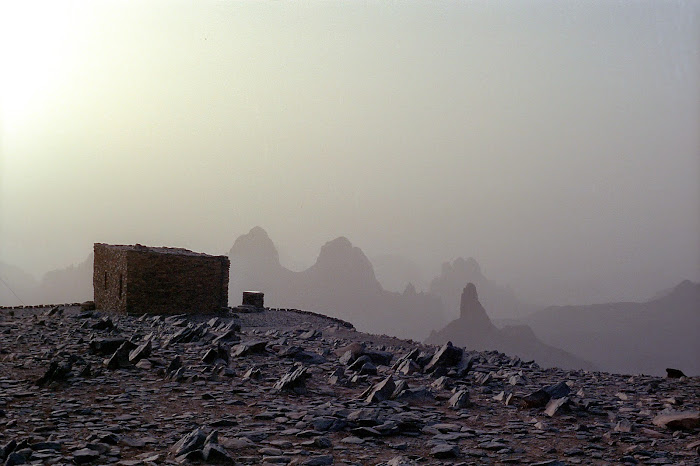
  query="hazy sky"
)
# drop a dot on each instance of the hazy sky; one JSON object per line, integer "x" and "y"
{"x": 556, "y": 142}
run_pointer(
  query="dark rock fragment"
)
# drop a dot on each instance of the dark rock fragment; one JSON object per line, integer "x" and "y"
{"x": 541, "y": 397}
{"x": 368, "y": 369}
{"x": 249, "y": 347}
{"x": 358, "y": 363}
{"x": 55, "y": 311}
{"x": 85, "y": 455}
{"x": 103, "y": 324}
{"x": 446, "y": 356}
{"x": 310, "y": 335}
{"x": 410, "y": 356}
{"x": 558, "y": 390}
{"x": 321, "y": 460}
{"x": 174, "y": 365}
{"x": 293, "y": 381}
{"x": 253, "y": 373}
{"x": 678, "y": 420}
{"x": 674, "y": 373}
{"x": 381, "y": 391}
{"x": 464, "y": 365}
{"x": 297, "y": 353}
{"x": 536, "y": 399}
{"x": 445, "y": 451}
{"x": 140, "y": 352}
{"x": 15, "y": 458}
{"x": 215, "y": 453}
{"x": 225, "y": 422}
{"x": 459, "y": 400}
{"x": 415, "y": 395}
{"x": 87, "y": 306}
{"x": 46, "y": 446}
{"x": 216, "y": 354}
{"x": 349, "y": 353}
{"x": 382, "y": 358}
{"x": 57, "y": 372}
{"x": 120, "y": 358}
{"x": 556, "y": 405}
{"x": 228, "y": 337}
{"x": 337, "y": 377}
{"x": 408, "y": 367}
{"x": 105, "y": 346}
{"x": 190, "y": 442}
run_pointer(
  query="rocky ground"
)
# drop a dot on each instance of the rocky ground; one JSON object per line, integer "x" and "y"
{"x": 282, "y": 387}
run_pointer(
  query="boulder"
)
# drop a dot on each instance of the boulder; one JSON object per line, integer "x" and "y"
{"x": 190, "y": 442}
{"x": 674, "y": 373}
{"x": 57, "y": 372}
{"x": 381, "y": 391}
{"x": 120, "y": 358}
{"x": 678, "y": 420}
{"x": 459, "y": 400}
{"x": 142, "y": 351}
{"x": 249, "y": 347}
{"x": 294, "y": 380}
{"x": 446, "y": 356}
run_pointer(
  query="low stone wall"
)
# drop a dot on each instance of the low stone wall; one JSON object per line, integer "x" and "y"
{"x": 139, "y": 280}
{"x": 340, "y": 322}
{"x": 176, "y": 284}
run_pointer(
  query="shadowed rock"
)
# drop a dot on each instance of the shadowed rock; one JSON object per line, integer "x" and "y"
{"x": 446, "y": 356}
{"x": 683, "y": 420}
{"x": 294, "y": 381}
{"x": 381, "y": 391}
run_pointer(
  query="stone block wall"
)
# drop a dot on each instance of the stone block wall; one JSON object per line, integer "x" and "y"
{"x": 160, "y": 280}
{"x": 109, "y": 278}
{"x": 254, "y": 299}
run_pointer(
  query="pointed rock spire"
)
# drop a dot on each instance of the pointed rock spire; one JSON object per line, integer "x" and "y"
{"x": 472, "y": 311}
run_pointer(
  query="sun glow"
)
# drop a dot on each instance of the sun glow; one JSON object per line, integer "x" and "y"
{"x": 34, "y": 52}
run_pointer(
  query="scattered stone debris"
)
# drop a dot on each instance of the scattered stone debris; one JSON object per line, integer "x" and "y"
{"x": 77, "y": 387}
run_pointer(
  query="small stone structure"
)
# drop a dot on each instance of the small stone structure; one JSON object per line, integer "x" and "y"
{"x": 254, "y": 299}
{"x": 136, "y": 279}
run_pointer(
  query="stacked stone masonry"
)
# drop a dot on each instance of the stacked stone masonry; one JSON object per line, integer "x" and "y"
{"x": 139, "y": 279}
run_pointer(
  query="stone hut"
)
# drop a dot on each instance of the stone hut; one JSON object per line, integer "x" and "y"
{"x": 255, "y": 299}
{"x": 136, "y": 279}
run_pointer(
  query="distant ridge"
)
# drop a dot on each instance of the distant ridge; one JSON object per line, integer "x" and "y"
{"x": 474, "y": 330}
{"x": 341, "y": 283}
{"x": 630, "y": 337}
{"x": 66, "y": 285}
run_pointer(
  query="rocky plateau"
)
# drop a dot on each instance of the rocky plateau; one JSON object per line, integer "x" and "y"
{"x": 291, "y": 387}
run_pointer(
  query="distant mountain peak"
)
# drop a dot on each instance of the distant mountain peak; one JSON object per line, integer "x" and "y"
{"x": 341, "y": 251}
{"x": 467, "y": 267}
{"x": 258, "y": 231}
{"x": 340, "y": 258}
{"x": 685, "y": 291}
{"x": 341, "y": 243}
{"x": 256, "y": 244}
